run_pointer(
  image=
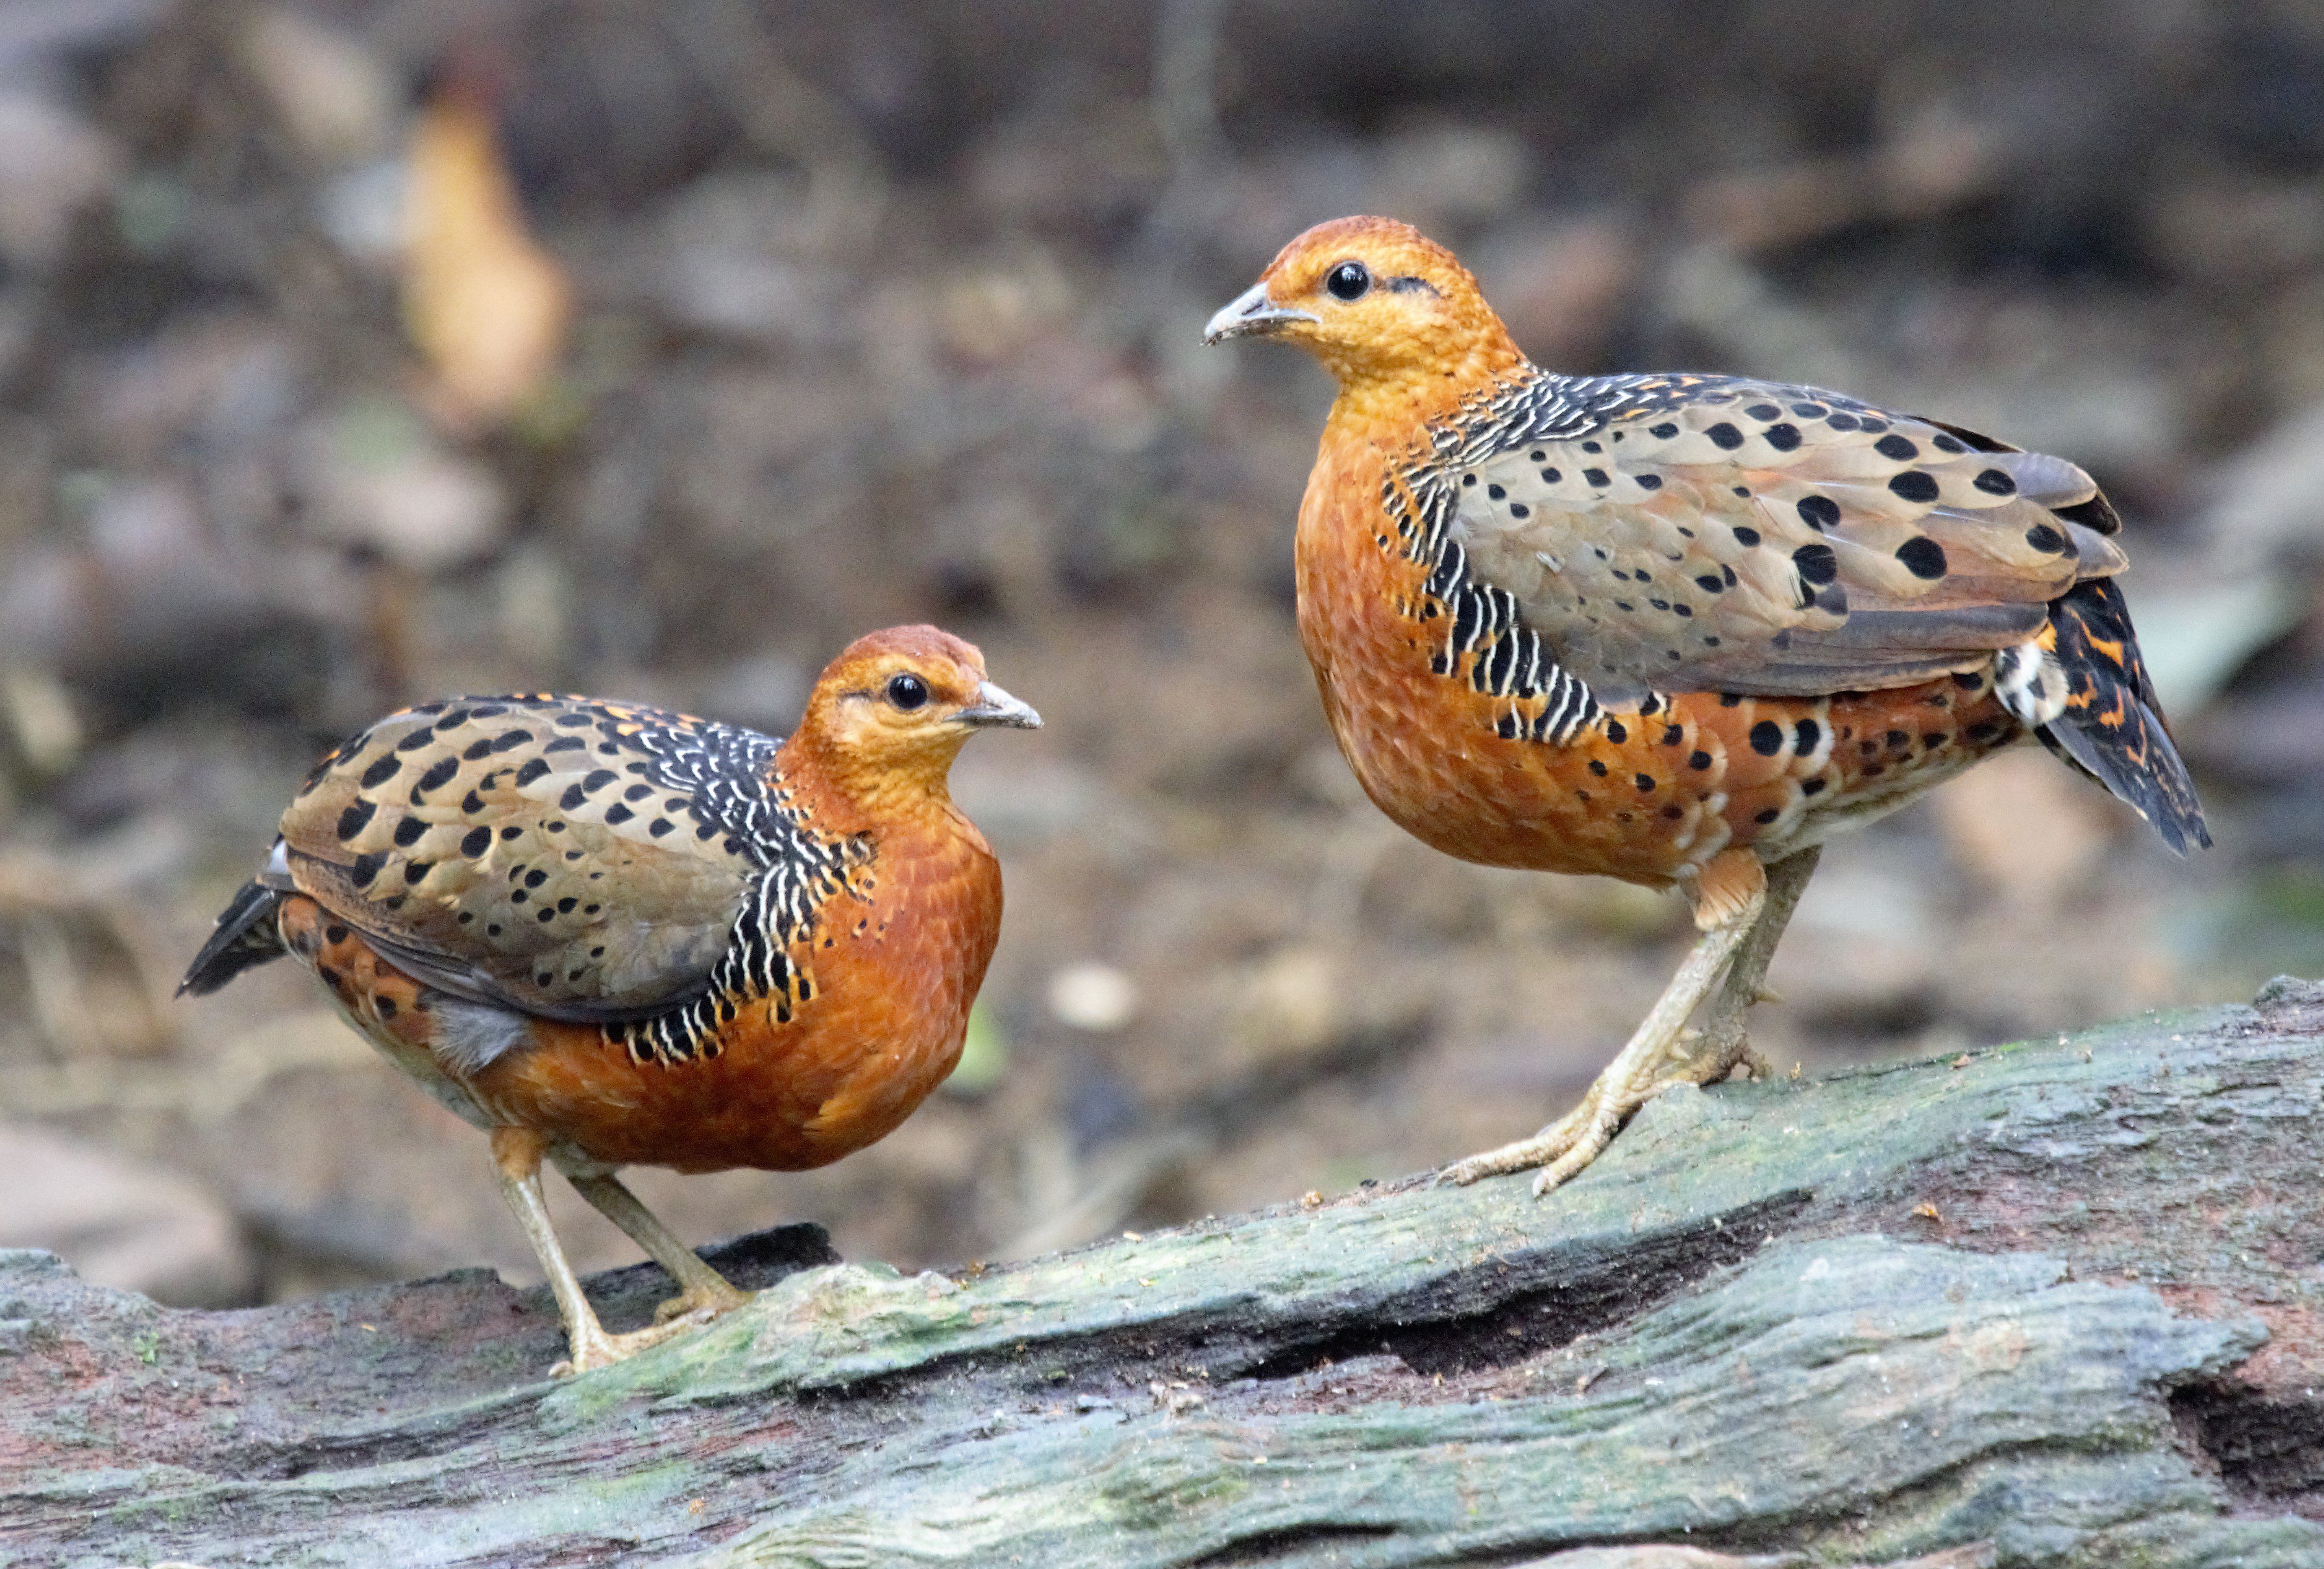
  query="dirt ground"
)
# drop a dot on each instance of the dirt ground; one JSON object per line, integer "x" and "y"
{"x": 817, "y": 318}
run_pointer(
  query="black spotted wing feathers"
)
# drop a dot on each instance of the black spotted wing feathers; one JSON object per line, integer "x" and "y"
{"x": 570, "y": 858}
{"x": 1713, "y": 534}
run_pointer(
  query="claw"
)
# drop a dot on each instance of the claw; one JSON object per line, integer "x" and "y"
{"x": 1768, "y": 993}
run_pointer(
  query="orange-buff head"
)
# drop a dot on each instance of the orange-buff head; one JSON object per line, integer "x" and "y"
{"x": 1389, "y": 310}
{"x": 888, "y": 715}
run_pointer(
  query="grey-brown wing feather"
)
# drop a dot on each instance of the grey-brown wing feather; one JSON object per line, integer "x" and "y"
{"x": 569, "y": 858}
{"x": 1771, "y": 540}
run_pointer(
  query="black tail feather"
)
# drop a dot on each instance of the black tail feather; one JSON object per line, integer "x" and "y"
{"x": 2112, "y": 728}
{"x": 246, "y": 937}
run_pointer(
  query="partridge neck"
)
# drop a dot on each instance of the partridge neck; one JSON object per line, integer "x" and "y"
{"x": 1388, "y": 405}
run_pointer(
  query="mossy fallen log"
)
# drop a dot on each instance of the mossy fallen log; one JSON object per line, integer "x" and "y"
{"x": 2055, "y": 1303}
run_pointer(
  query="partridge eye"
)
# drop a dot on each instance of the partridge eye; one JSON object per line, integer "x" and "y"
{"x": 1348, "y": 280}
{"x": 908, "y": 692}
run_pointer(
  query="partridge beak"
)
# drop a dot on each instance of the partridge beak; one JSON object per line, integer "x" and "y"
{"x": 995, "y": 710}
{"x": 1251, "y": 311}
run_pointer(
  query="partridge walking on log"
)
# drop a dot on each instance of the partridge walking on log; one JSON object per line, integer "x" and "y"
{"x": 1674, "y": 628}
{"x": 611, "y": 934}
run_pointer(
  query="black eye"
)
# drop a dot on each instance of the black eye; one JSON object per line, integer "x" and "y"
{"x": 908, "y": 692}
{"x": 1348, "y": 280}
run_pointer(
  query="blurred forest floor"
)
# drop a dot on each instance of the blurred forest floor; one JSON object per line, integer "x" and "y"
{"x": 808, "y": 319}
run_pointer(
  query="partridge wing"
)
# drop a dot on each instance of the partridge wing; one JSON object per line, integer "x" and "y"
{"x": 566, "y": 857}
{"x": 1741, "y": 537}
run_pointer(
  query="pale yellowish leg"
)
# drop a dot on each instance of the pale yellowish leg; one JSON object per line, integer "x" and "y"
{"x": 701, "y": 1289}
{"x": 1729, "y": 899}
{"x": 1726, "y": 1041}
{"x": 517, "y": 1152}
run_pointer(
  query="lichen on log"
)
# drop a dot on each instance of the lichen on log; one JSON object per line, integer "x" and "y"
{"x": 2053, "y": 1303}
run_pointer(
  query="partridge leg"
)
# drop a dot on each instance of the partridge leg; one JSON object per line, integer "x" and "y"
{"x": 517, "y": 1151}
{"x": 1725, "y": 1040}
{"x": 700, "y": 1288}
{"x": 1728, "y": 903}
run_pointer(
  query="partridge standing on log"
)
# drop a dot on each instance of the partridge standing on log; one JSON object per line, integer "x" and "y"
{"x": 1674, "y": 628}
{"x": 611, "y": 934}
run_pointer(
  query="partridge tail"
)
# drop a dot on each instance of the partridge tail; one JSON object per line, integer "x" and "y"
{"x": 2112, "y": 725}
{"x": 246, "y": 937}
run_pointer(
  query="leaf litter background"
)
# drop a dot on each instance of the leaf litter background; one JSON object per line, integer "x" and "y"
{"x": 352, "y": 353}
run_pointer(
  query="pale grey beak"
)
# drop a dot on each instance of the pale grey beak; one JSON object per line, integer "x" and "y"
{"x": 1251, "y": 311}
{"x": 996, "y": 710}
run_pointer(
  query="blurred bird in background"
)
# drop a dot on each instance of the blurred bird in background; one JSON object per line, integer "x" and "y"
{"x": 612, "y": 935}
{"x": 1674, "y": 628}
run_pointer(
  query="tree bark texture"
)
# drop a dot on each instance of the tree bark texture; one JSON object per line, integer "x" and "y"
{"x": 2055, "y": 1303}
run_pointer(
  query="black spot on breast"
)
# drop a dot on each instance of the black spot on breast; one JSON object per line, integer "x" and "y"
{"x": 1496, "y": 491}
{"x": 472, "y": 803}
{"x": 475, "y": 841}
{"x": 532, "y": 771}
{"x": 1664, "y": 431}
{"x": 1645, "y": 783}
{"x": 1805, "y": 735}
{"x": 1595, "y": 477}
{"x": 388, "y": 766}
{"x": 423, "y": 736}
{"x": 1900, "y": 447}
{"x": 1913, "y": 485}
{"x": 535, "y": 879}
{"x": 519, "y": 897}
{"x": 1816, "y": 563}
{"x": 1591, "y": 447}
{"x": 1598, "y": 768}
{"x": 334, "y": 933}
{"x": 1923, "y": 557}
{"x": 365, "y": 870}
{"x": 510, "y": 740}
{"x": 1551, "y": 476}
{"x": 1783, "y": 438}
{"x": 477, "y": 750}
{"x": 1746, "y": 536}
{"x": 1698, "y": 760}
{"x": 353, "y": 819}
{"x": 1769, "y": 815}
{"x": 659, "y": 826}
{"x": 547, "y": 915}
{"x": 618, "y": 813}
{"x": 407, "y": 833}
{"x": 416, "y": 872}
{"x": 1811, "y": 787}
{"x": 637, "y": 792}
{"x": 1710, "y": 583}
{"x": 512, "y": 832}
{"x": 1996, "y": 482}
{"x": 1819, "y": 511}
{"x": 1519, "y": 510}
{"x": 1616, "y": 731}
{"x": 2045, "y": 538}
{"x": 1673, "y": 733}
{"x": 1725, "y": 437}
{"x": 1766, "y": 738}
{"x": 1968, "y": 680}
{"x": 1649, "y": 481}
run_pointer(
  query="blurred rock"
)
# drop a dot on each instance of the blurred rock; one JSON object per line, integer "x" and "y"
{"x": 738, "y": 260}
{"x": 373, "y": 477}
{"x": 53, "y": 163}
{"x": 335, "y": 96}
{"x": 121, "y": 1223}
{"x": 1093, "y": 996}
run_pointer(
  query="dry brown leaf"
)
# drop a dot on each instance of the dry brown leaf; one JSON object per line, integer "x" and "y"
{"x": 482, "y": 301}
